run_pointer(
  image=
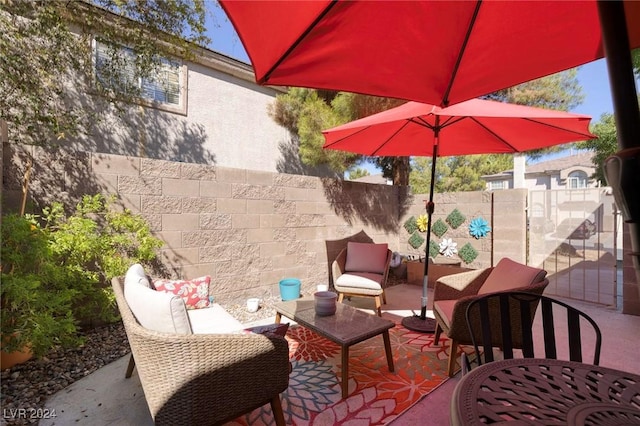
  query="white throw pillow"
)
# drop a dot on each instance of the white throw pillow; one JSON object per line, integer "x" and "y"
{"x": 366, "y": 257}
{"x": 158, "y": 311}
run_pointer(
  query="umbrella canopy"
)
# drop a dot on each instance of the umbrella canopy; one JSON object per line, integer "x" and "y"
{"x": 439, "y": 52}
{"x": 472, "y": 127}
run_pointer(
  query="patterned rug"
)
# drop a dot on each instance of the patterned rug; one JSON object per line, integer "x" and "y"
{"x": 376, "y": 396}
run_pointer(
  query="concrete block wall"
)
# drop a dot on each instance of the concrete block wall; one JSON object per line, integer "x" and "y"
{"x": 510, "y": 206}
{"x": 249, "y": 229}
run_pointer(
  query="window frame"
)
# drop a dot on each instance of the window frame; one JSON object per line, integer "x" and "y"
{"x": 182, "y": 73}
{"x": 493, "y": 185}
{"x": 581, "y": 178}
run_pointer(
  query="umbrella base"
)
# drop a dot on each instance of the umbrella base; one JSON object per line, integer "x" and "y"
{"x": 415, "y": 323}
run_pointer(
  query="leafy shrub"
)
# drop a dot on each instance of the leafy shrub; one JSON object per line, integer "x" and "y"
{"x": 56, "y": 270}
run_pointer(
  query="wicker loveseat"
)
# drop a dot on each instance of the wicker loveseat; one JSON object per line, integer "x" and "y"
{"x": 204, "y": 379}
{"x": 453, "y": 293}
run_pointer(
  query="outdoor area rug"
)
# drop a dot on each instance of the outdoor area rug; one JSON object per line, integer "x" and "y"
{"x": 376, "y": 396}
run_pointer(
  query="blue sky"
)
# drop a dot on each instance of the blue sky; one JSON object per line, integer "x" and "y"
{"x": 593, "y": 77}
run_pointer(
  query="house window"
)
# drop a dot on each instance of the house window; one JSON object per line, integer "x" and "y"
{"x": 496, "y": 184}
{"x": 163, "y": 89}
{"x": 577, "y": 179}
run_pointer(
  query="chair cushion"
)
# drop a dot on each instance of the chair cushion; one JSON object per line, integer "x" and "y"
{"x": 445, "y": 310}
{"x": 359, "y": 280}
{"x": 366, "y": 257}
{"x": 213, "y": 320}
{"x": 194, "y": 292}
{"x": 158, "y": 311}
{"x": 508, "y": 275}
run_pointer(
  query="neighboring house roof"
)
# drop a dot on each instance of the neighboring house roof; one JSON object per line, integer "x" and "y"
{"x": 581, "y": 159}
{"x": 377, "y": 178}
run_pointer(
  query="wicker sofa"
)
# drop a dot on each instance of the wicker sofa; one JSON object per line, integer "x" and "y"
{"x": 200, "y": 379}
{"x": 453, "y": 293}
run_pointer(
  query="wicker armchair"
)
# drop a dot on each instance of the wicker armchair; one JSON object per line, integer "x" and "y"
{"x": 205, "y": 379}
{"x": 453, "y": 293}
{"x": 361, "y": 270}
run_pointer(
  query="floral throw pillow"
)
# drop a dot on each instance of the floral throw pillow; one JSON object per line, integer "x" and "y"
{"x": 194, "y": 292}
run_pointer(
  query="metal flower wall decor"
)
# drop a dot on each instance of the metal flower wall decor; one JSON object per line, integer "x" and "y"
{"x": 422, "y": 222}
{"x": 414, "y": 227}
{"x": 448, "y": 248}
{"x": 479, "y": 228}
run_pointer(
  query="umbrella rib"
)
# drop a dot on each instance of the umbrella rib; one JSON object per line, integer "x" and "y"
{"x": 347, "y": 136}
{"x": 421, "y": 122}
{"x": 526, "y": 119}
{"x": 450, "y": 121}
{"x": 445, "y": 98}
{"x": 494, "y": 134}
{"x": 405, "y": 124}
{"x": 553, "y": 126}
{"x": 294, "y": 45}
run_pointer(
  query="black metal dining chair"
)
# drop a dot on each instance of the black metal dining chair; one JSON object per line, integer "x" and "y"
{"x": 506, "y": 320}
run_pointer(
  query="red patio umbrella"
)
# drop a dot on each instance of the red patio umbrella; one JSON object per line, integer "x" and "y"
{"x": 472, "y": 127}
{"x": 439, "y": 52}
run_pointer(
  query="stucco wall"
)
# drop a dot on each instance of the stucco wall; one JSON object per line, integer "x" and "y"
{"x": 225, "y": 123}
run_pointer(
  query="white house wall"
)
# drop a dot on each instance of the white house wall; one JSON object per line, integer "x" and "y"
{"x": 239, "y": 132}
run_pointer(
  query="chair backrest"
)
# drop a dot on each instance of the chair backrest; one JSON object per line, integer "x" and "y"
{"x": 335, "y": 247}
{"x": 510, "y": 275}
{"x": 367, "y": 257}
{"x": 506, "y": 320}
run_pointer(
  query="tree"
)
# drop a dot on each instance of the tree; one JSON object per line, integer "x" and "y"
{"x": 358, "y": 173}
{"x": 604, "y": 146}
{"x": 306, "y": 112}
{"x": 607, "y": 142}
{"x": 559, "y": 91}
{"x": 46, "y": 57}
{"x": 461, "y": 173}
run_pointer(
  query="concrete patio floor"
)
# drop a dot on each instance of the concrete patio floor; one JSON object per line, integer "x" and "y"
{"x": 107, "y": 398}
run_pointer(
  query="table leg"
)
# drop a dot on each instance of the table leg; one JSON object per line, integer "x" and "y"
{"x": 387, "y": 349}
{"x": 345, "y": 371}
{"x": 278, "y": 317}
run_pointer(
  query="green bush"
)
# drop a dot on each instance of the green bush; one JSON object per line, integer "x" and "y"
{"x": 56, "y": 270}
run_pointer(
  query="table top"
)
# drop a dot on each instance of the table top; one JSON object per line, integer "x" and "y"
{"x": 346, "y": 327}
{"x": 546, "y": 391}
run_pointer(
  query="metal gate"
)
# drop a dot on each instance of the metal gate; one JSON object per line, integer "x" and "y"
{"x": 573, "y": 235}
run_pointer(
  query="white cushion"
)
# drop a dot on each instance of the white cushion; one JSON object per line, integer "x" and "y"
{"x": 366, "y": 257}
{"x": 359, "y": 280}
{"x": 158, "y": 311}
{"x": 213, "y": 319}
{"x": 136, "y": 275}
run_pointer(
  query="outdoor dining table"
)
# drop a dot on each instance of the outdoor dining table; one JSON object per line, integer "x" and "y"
{"x": 546, "y": 391}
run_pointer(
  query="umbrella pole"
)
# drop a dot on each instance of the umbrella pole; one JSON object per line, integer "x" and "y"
{"x": 422, "y": 323}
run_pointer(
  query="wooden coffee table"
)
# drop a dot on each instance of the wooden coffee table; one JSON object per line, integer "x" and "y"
{"x": 347, "y": 327}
